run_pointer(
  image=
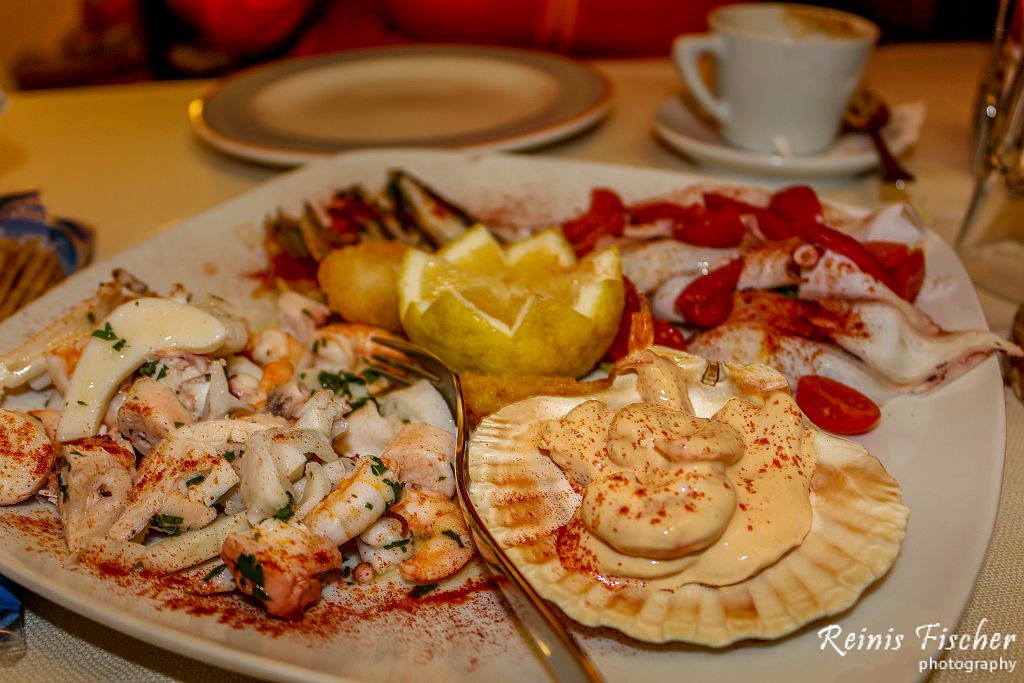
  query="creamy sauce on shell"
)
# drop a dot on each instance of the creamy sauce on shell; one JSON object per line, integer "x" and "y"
{"x": 676, "y": 499}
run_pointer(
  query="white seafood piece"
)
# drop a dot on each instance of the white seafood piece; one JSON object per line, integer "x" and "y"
{"x": 425, "y": 454}
{"x": 236, "y": 331}
{"x": 93, "y": 485}
{"x": 183, "y": 476}
{"x": 61, "y": 360}
{"x": 274, "y": 460}
{"x": 837, "y": 277}
{"x": 135, "y": 332}
{"x": 300, "y": 316}
{"x": 150, "y": 411}
{"x": 899, "y": 222}
{"x": 368, "y": 432}
{"x": 172, "y": 553}
{"x": 418, "y": 402}
{"x": 917, "y": 359}
{"x": 324, "y": 412}
{"x": 28, "y": 361}
{"x": 650, "y": 264}
{"x": 857, "y": 523}
{"x": 26, "y": 456}
{"x": 287, "y": 398}
{"x": 357, "y": 502}
{"x": 244, "y": 379}
{"x": 792, "y": 356}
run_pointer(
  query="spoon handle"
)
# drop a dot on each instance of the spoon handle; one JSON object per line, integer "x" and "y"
{"x": 892, "y": 170}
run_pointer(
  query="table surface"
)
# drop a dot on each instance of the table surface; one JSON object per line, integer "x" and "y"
{"x": 124, "y": 159}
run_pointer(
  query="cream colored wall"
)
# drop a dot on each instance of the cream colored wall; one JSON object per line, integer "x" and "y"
{"x": 33, "y": 25}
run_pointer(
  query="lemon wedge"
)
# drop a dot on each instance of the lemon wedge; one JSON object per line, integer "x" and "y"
{"x": 528, "y": 308}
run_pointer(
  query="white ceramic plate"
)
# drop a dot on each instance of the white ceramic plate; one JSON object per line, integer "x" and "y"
{"x": 686, "y": 132}
{"x": 453, "y": 96}
{"x": 946, "y": 449}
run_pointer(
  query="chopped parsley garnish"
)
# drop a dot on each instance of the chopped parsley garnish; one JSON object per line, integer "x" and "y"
{"x": 454, "y": 536}
{"x": 370, "y": 375}
{"x": 213, "y": 572}
{"x": 107, "y": 333}
{"x": 198, "y": 479}
{"x": 120, "y": 344}
{"x": 252, "y": 571}
{"x": 420, "y": 591}
{"x": 91, "y": 317}
{"x": 305, "y": 312}
{"x": 400, "y": 543}
{"x": 169, "y": 524}
{"x": 228, "y": 455}
{"x": 378, "y": 467}
{"x": 82, "y": 403}
{"x": 286, "y": 512}
{"x": 179, "y": 425}
{"x": 346, "y": 571}
{"x": 396, "y": 490}
{"x": 790, "y": 291}
{"x": 62, "y": 487}
{"x": 368, "y": 505}
{"x": 352, "y": 387}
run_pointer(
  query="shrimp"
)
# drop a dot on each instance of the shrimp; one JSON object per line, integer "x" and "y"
{"x": 447, "y": 545}
{"x": 275, "y": 372}
{"x": 424, "y": 453}
{"x": 386, "y": 543}
{"x": 93, "y": 485}
{"x": 346, "y": 346}
{"x": 26, "y": 456}
{"x": 280, "y": 565}
{"x": 271, "y": 344}
{"x": 357, "y": 502}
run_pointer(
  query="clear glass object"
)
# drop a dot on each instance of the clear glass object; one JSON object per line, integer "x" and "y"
{"x": 991, "y": 239}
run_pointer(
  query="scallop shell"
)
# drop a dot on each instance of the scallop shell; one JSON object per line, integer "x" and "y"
{"x": 859, "y": 522}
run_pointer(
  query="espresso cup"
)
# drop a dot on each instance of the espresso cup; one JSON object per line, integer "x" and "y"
{"x": 784, "y": 73}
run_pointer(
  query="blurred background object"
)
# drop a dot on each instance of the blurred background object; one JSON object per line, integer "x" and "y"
{"x": 60, "y": 43}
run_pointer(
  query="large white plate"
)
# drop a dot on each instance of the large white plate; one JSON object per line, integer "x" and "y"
{"x": 683, "y": 130}
{"x": 453, "y": 96}
{"x": 946, "y": 449}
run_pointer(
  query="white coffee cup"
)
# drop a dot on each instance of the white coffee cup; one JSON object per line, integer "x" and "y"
{"x": 784, "y": 72}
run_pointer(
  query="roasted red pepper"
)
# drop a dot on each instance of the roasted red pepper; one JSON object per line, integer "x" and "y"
{"x": 905, "y": 265}
{"x": 770, "y": 225}
{"x": 606, "y": 216}
{"x": 844, "y": 245}
{"x": 707, "y": 301}
{"x": 796, "y": 204}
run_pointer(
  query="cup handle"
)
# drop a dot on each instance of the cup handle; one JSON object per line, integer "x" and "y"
{"x": 686, "y": 51}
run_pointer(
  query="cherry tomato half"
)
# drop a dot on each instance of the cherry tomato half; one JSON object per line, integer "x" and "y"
{"x": 836, "y": 407}
{"x": 707, "y": 301}
{"x": 667, "y": 334}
